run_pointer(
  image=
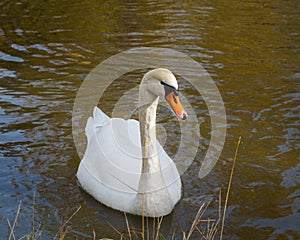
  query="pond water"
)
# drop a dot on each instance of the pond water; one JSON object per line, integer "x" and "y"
{"x": 251, "y": 50}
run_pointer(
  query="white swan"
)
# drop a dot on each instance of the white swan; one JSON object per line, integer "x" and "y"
{"x": 120, "y": 173}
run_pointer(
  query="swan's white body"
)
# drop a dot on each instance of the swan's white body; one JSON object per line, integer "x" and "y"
{"x": 115, "y": 169}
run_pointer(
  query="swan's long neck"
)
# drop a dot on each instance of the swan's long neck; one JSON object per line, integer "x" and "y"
{"x": 147, "y": 119}
{"x": 152, "y": 190}
{"x": 152, "y": 193}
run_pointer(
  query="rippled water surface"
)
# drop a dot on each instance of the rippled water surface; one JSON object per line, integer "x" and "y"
{"x": 251, "y": 50}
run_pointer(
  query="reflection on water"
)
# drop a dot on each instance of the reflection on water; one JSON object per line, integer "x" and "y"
{"x": 250, "y": 48}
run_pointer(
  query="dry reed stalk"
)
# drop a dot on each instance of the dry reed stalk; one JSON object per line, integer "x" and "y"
{"x": 33, "y": 208}
{"x": 12, "y": 228}
{"x": 127, "y": 224}
{"x": 158, "y": 227}
{"x": 63, "y": 230}
{"x": 228, "y": 188}
{"x": 213, "y": 233}
{"x": 116, "y": 230}
{"x": 197, "y": 219}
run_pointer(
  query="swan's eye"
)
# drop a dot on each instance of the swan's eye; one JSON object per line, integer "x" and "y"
{"x": 169, "y": 88}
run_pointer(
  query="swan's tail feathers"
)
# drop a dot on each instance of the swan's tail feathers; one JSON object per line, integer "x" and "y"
{"x": 100, "y": 118}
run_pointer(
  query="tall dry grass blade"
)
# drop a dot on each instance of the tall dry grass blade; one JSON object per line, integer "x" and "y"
{"x": 174, "y": 233}
{"x": 153, "y": 228}
{"x": 228, "y": 188}
{"x": 208, "y": 228}
{"x": 143, "y": 217}
{"x": 12, "y": 228}
{"x": 61, "y": 229}
{"x": 158, "y": 227}
{"x": 200, "y": 218}
{"x": 147, "y": 224}
{"x": 213, "y": 232}
{"x": 183, "y": 236}
{"x": 201, "y": 232}
{"x": 34, "y": 235}
{"x": 116, "y": 230}
{"x": 197, "y": 219}
{"x": 36, "y": 231}
{"x": 33, "y": 217}
{"x": 127, "y": 224}
{"x": 94, "y": 234}
{"x": 63, "y": 233}
{"x": 136, "y": 233}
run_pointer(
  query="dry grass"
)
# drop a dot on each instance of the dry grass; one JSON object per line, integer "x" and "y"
{"x": 36, "y": 231}
{"x": 206, "y": 228}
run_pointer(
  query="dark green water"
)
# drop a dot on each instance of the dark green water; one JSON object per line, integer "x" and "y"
{"x": 251, "y": 50}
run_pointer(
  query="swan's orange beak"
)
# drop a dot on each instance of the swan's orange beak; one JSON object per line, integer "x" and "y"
{"x": 175, "y": 104}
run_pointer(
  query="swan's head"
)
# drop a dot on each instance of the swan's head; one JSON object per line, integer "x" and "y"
{"x": 161, "y": 82}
